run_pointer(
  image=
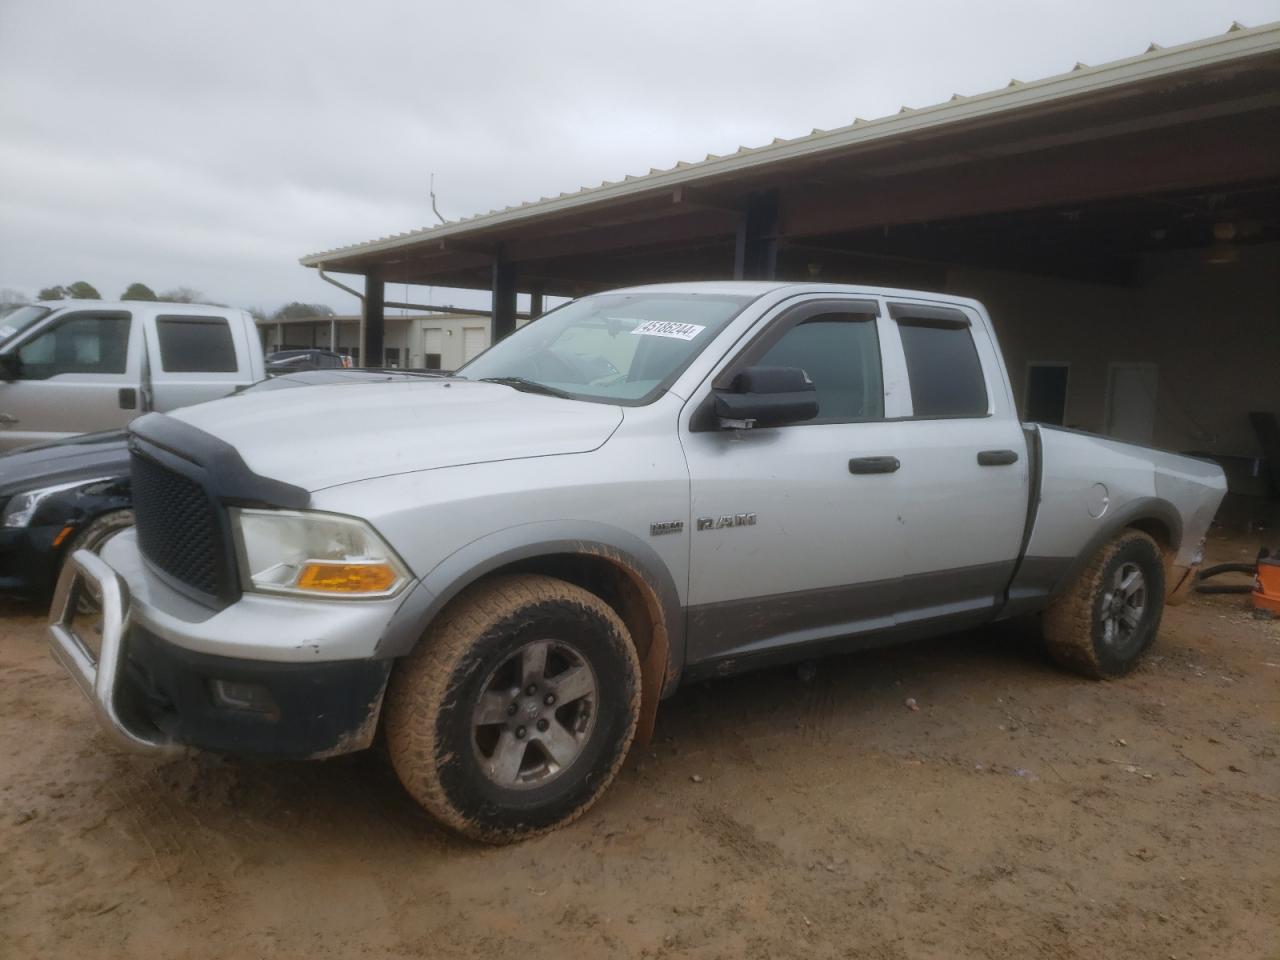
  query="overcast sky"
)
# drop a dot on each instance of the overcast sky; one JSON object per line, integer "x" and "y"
{"x": 210, "y": 145}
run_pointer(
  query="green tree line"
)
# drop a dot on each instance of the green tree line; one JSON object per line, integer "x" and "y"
{"x": 83, "y": 290}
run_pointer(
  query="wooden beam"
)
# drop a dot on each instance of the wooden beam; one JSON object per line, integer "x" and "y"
{"x": 504, "y": 297}
{"x": 755, "y": 255}
{"x": 684, "y": 227}
{"x": 373, "y": 319}
{"x": 1213, "y": 153}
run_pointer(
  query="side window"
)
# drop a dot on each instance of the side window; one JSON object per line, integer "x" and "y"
{"x": 82, "y": 343}
{"x": 841, "y": 355}
{"x": 944, "y": 369}
{"x": 195, "y": 345}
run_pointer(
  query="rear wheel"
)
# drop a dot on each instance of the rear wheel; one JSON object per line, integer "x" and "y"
{"x": 1109, "y": 616}
{"x": 517, "y": 708}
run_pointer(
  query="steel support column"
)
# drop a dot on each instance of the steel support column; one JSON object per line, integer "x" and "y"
{"x": 535, "y": 302}
{"x": 373, "y": 321}
{"x": 504, "y": 298}
{"x": 755, "y": 255}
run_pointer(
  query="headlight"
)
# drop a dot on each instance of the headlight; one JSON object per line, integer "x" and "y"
{"x": 22, "y": 506}
{"x": 314, "y": 554}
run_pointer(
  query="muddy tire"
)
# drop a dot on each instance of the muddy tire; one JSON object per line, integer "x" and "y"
{"x": 1109, "y": 616}
{"x": 516, "y": 709}
{"x": 94, "y": 538}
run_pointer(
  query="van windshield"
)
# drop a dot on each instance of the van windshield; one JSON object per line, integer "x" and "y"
{"x": 615, "y": 347}
{"x": 18, "y": 319}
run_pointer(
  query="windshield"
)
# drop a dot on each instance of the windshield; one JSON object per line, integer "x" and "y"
{"x": 17, "y": 320}
{"x": 615, "y": 347}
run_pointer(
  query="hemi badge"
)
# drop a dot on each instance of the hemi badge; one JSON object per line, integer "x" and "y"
{"x": 666, "y": 526}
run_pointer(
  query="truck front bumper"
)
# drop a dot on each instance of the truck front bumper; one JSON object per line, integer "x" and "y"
{"x": 153, "y": 694}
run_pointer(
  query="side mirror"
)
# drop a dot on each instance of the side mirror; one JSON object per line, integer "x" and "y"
{"x": 10, "y": 366}
{"x": 766, "y": 397}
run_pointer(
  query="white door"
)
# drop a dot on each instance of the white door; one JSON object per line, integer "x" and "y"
{"x": 472, "y": 342}
{"x": 1131, "y": 401}
{"x": 433, "y": 347}
{"x": 795, "y": 532}
{"x": 80, "y": 373}
{"x": 964, "y": 469}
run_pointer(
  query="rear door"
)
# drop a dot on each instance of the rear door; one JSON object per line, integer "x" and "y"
{"x": 194, "y": 358}
{"x": 79, "y": 372}
{"x": 964, "y": 466}
{"x": 793, "y": 537}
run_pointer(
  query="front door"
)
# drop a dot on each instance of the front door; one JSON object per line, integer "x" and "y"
{"x": 795, "y": 530}
{"x": 77, "y": 374}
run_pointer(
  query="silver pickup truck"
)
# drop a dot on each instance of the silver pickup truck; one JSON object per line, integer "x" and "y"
{"x": 82, "y": 366}
{"x": 505, "y": 571}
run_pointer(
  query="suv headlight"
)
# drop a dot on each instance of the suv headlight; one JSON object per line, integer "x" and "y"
{"x": 314, "y": 554}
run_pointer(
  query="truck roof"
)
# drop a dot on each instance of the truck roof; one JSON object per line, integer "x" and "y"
{"x": 758, "y": 288}
{"x": 127, "y": 305}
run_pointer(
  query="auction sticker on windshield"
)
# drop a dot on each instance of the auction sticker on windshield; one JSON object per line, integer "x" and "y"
{"x": 667, "y": 328}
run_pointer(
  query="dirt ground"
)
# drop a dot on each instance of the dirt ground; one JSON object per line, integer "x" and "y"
{"x": 1019, "y": 812}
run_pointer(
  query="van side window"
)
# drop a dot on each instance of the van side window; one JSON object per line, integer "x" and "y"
{"x": 82, "y": 343}
{"x": 195, "y": 345}
{"x": 841, "y": 355}
{"x": 944, "y": 369}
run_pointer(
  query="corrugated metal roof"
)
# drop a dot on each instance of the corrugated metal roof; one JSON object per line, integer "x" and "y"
{"x": 1238, "y": 42}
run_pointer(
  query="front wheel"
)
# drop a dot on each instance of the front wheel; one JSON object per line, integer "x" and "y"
{"x": 516, "y": 709}
{"x": 1108, "y": 617}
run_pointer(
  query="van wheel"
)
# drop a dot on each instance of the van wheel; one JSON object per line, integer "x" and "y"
{"x": 1109, "y": 616}
{"x": 516, "y": 709}
{"x": 93, "y": 538}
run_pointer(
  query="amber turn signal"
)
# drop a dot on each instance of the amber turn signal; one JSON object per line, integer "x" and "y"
{"x": 347, "y": 578}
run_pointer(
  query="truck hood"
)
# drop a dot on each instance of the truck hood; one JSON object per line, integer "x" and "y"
{"x": 322, "y": 436}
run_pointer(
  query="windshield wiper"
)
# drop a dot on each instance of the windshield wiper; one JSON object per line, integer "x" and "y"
{"x": 527, "y": 386}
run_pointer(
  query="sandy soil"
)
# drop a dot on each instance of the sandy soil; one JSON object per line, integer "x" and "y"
{"x": 1020, "y": 812}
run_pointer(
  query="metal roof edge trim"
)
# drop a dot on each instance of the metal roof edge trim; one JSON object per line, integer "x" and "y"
{"x": 1196, "y": 54}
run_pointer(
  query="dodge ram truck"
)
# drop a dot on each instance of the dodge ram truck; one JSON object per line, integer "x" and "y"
{"x": 505, "y": 571}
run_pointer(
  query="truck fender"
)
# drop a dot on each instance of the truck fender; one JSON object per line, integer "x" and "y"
{"x": 661, "y": 656}
{"x": 1132, "y": 514}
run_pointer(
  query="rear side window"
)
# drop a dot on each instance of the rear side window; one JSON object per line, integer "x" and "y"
{"x": 195, "y": 345}
{"x": 841, "y": 355}
{"x": 944, "y": 369}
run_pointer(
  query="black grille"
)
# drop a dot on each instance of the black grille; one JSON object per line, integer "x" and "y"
{"x": 180, "y": 528}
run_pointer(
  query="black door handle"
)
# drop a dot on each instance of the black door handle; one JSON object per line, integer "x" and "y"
{"x": 997, "y": 458}
{"x": 874, "y": 465}
{"x": 128, "y": 398}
